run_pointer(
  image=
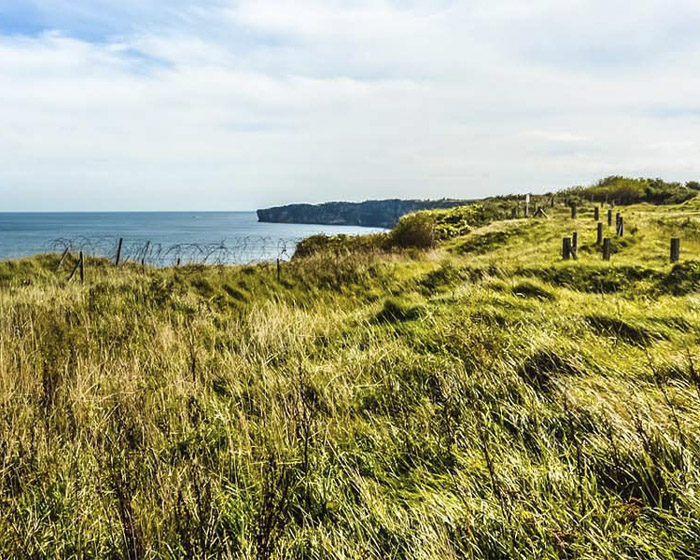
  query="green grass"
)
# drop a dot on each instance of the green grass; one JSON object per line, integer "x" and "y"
{"x": 484, "y": 399}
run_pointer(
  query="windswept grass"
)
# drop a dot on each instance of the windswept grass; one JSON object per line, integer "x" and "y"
{"x": 482, "y": 400}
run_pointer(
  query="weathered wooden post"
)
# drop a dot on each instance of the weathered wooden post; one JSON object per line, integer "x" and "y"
{"x": 609, "y": 218}
{"x": 675, "y": 249}
{"x": 145, "y": 252}
{"x": 566, "y": 248}
{"x": 574, "y": 245}
{"x": 621, "y": 227}
{"x": 573, "y": 211}
{"x": 75, "y": 269}
{"x": 119, "y": 251}
{"x": 279, "y": 270}
{"x": 606, "y": 249}
{"x": 599, "y": 236}
{"x": 82, "y": 268}
{"x": 63, "y": 258}
{"x": 596, "y": 213}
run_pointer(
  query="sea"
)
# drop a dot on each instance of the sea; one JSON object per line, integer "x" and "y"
{"x": 158, "y": 238}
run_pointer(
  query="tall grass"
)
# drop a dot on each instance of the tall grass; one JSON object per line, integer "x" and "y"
{"x": 455, "y": 404}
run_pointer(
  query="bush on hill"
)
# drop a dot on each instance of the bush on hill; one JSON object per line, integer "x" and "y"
{"x": 420, "y": 230}
{"x": 624, "y": 191}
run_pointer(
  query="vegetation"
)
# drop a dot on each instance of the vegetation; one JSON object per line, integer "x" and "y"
{"x": 479, "y": 399}
{"x": 623, "y": 190}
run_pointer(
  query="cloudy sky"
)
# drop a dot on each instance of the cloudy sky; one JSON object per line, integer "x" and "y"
{"x": 238, "y": 104}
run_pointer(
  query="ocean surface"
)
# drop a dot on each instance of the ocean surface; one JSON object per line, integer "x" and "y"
{"x": 159, "y": 238}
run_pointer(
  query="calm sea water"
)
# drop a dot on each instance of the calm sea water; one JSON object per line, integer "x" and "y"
{"x": 159, "y": 237}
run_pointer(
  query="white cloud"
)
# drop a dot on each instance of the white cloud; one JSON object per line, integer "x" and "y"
{"x": 249, "y": 103}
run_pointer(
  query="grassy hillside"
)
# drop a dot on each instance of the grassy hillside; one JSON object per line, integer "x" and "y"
{"x": 478, "y": 399}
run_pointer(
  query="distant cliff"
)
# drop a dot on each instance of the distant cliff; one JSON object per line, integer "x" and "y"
{"x": 371, "y": 213}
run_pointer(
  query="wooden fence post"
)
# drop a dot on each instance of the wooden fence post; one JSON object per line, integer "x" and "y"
{"x": 566, "y": 248}
{"x": 609, "y": 218}
{"x": 279, "y": 270}
{"x": 621, "y": 227}
{"x": 63, "y": 258}
{"x": 599, "y": 237}
{"x": 573, "y": 211}
{"x": 574, "y": 245}
{"x": 606, "y": 249}
{"x": 596, "y": 213}
{"x": 675, "y": 249}
{"x": 145, "y": 252}
{"x": 75, "y": 269}
{"x": 119, "y": 252}
{"x": 82, "y": 268}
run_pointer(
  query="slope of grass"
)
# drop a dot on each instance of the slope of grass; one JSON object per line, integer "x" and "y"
{"x": 481, "y": 400}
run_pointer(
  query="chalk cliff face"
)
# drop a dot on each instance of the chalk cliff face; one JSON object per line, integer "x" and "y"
{"x": 371, "y": 213}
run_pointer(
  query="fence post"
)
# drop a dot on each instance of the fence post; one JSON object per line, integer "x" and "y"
{"x": 75, "y": 269}
{"x": 63, "y": 258}
{"x": 609, "y": 218}
{"x": 145, "y": 252}
{"x": 675, "y": 249}
{"x": 621, "y": 227}
{"x": 279, "y": 271}
{"x": 574, "y": 245}
{"x": 606, "y": 249}
{"x": 573, "y": 211}
{"x": 119, "y": 251}
{"x": 566, "y": 248}
{"x": 596, "y": 213}
{"x": 599, "y": 237}
{"x": 82, "y": 268}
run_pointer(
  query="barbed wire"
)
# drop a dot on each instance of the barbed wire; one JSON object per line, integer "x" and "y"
{"x": 243, "y": 250}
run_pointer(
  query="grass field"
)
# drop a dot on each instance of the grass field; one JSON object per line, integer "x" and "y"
{"x": 482, "y": 399}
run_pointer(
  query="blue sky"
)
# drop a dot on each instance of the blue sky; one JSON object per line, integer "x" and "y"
{"x": 238, "y": 104}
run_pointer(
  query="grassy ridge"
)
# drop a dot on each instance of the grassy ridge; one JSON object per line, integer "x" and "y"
{"x": 482, "y": 399}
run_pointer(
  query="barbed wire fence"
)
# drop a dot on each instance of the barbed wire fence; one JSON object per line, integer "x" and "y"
{"x": 243, "y": 250}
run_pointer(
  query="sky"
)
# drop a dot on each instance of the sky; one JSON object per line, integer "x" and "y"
{"x": 240, "y": 104}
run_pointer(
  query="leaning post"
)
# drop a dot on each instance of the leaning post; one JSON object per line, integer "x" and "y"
{"x": 118, "y": 259}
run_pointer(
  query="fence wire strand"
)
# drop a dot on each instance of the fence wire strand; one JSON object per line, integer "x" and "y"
{"x": 243, "y": 250}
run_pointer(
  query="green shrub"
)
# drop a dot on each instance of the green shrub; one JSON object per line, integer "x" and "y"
{"x": 340, "y": 244}
{"x": 416, "y": 231}
{"x": 624, "y": 190}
